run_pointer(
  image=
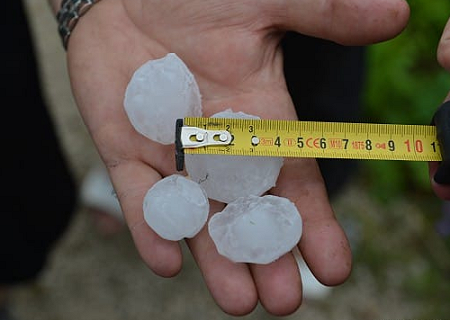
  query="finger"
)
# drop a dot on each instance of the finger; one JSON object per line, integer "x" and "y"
{"x": 443, "y": 52}
{"x": 442, "y": 191}
{"x": 230, "y": 284}
{"x": 350, "y": 22}
{"x": 438, "y": 171}
{"x": 279, "y": 285}
{"x": 323, "y": 244}
{"x": 131, "y": 180}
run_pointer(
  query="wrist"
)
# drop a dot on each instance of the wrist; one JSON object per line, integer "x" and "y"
{"x": 68, "y": 14}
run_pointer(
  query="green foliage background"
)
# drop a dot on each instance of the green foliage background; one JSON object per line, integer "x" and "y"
{"x": 405, "y": 85}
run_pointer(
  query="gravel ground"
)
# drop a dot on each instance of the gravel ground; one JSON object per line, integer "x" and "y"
{"x": 94, "y": 277}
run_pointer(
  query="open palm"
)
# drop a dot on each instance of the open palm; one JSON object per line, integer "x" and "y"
{"x": 232, "y": 48}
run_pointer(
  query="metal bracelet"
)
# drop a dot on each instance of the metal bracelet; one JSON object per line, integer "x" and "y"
{"x": 68, "y": 16}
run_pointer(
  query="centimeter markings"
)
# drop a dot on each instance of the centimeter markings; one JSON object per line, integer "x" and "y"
{"x": 313, "y": 139}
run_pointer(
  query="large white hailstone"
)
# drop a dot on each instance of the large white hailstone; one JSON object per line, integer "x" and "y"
{"x": 226, "y": 178}
{"x": 256, "y": 229}
{"x": 176, "y": 208}
{"x": 160, "y": 92}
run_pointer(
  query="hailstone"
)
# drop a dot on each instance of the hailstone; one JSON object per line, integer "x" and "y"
{"x": 160, "y": 92}
{"x": 176, "y": 208}
{"x": 256, "y": 229}
{"x": 226, "y": 178}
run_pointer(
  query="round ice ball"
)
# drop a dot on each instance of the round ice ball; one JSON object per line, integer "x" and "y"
{"x": 176, "y": 208}
{"x": 256, "y": 229}
{"x": 160, "y": 92}
{"x": 226, "y": 178}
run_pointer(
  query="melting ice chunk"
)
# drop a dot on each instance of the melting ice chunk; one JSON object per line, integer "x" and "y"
{"x": 160, "y": 92}
{"x": 256, "y": 229}
{"x": 176, "y": 208}
{"x": 226, "y": 178}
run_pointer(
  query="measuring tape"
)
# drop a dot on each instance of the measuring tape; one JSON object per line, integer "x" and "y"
{"x": 308, "y": 139}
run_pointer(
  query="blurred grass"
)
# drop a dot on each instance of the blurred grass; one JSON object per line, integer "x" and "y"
{"x": 395, "y": 242}
{"x": 406, "y": 85}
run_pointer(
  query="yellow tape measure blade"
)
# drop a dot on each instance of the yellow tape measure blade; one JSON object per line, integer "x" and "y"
{"x": 312, "y": 139}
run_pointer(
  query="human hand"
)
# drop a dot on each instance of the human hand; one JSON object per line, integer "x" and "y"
{"x": 232, "y": 48}
{"x": 443, "y": 54}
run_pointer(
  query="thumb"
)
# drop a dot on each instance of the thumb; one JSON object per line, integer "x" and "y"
{"x": 348, "y": 22}
{"x": 444, "y": 48}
